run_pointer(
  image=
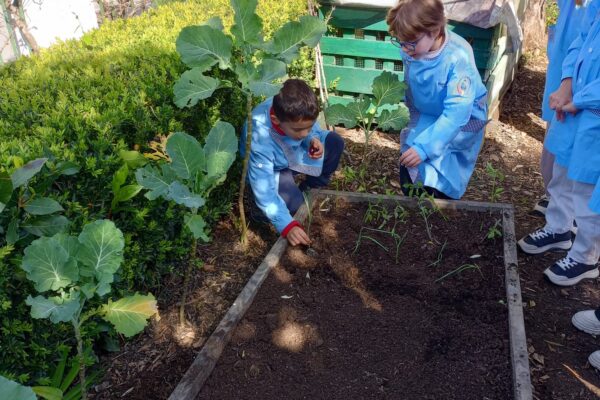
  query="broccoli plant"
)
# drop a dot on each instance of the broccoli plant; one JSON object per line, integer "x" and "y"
{"x": 25, "y": 206}
{"x": 257, "y": 64}
{"x": 362, "y": 112}
{"x": 187, "y": 178}
{"x": 71, "y": 271}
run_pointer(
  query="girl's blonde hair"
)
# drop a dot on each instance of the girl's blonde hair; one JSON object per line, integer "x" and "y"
{"x": 409, "y": 19}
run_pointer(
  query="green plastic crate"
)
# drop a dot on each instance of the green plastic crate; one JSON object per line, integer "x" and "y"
{"x": 357, "y": 48}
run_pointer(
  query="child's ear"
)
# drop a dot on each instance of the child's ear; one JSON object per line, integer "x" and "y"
{"x": 275, "y": 120}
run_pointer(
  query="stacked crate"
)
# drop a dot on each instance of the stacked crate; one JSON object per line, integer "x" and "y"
{"x": 357, "y": 48}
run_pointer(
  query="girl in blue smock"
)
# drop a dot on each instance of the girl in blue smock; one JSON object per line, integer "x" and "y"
{"x": 574, "y": 139}
{"x": 446, "y": 98}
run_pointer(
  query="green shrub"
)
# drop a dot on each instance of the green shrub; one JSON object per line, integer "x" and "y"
{"x": 84, "y": 101}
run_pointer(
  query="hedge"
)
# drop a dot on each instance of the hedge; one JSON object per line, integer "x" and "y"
{"x": 84, "y": 101}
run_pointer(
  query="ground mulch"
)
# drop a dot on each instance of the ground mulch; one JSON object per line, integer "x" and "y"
{"x": 370, "y": 316}
{"x": 150, "y": 366}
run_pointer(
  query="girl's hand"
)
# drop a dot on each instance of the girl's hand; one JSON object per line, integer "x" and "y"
{"x": 562, "y": 97}
{"x": 570, "y": 108}
{"x": 315, "y": 150}
{"x": 410, "y": 158}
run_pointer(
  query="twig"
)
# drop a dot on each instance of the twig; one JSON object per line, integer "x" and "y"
{"x": 591, "y": 387}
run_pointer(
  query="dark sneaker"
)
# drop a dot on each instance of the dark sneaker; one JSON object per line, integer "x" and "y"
{"x": 587, "y": 321}
{"x": 542, "y": 241}
{"x": 541, "y": 206}
{"x": 567, "y": 272}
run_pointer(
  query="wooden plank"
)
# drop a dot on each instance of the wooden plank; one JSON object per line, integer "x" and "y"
{"x": 413, "y": 202}
{"x": 518, "y": 343}
{"x": 204, "y": 363}
{"x": 360, "y": 48}
{"x": 500, "y": 80}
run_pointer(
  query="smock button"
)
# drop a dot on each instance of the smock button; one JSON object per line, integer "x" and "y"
{"x": 590, "y": 49}
{"x": 259, "y": 165}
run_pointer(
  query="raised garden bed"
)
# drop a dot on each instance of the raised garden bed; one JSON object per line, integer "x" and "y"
{"x": 384, "y": 309}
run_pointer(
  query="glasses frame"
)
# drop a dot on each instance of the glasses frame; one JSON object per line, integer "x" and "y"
{"x": 410, "y": 46}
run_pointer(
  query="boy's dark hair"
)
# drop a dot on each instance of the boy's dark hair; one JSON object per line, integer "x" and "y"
{"x": 295, "y": 102}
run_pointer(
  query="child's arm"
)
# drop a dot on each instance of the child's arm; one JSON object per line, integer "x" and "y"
{"x": 458, "y": 105}
{"x": 588, "y": 97}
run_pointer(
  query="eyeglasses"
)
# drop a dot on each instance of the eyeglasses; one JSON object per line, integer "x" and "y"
{"x": 410, "y": 46}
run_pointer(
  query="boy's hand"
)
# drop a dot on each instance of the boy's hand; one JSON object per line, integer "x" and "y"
{"x": 562, "y": 97}
{"x": 410, "y": 158}
{"x": 297, "y": 236}
{"x": 315, "y": 150}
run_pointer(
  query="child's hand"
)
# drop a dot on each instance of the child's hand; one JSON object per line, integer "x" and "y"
{"x": 570, "y": 108}
{"x": 297, "y": 236}
{"x": 315, "y": 150}
{"x": 410, "y": 158}
{"x": 562, "y": 97}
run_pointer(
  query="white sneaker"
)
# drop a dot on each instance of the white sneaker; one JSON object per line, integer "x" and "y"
{"x": 594, "y": 359}
{"x": 588, "y": 322}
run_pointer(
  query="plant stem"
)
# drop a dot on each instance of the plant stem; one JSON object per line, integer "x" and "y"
{"x": 77, "y": 329}
{"x": 186, "y": 281}
{"x": 244, "y": 226}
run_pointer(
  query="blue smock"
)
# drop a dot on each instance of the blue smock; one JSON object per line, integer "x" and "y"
{"x": 576, "y": 141}
{"x": 560, "y": 37}
{"x": 271, "y": 152}
{"x": 448, "y": 112}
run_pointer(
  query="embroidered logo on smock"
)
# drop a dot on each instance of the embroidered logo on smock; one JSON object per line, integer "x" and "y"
{"x": 463, "y": 85}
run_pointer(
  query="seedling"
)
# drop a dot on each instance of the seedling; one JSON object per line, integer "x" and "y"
{"x": 256, "y": 65}
{"x": 439, "y": 255}
{"x": 309, "y": 215}
{"x": 494, "y": 231}
{"x": 361, "y": 236}
{"x": 497, "y": 177}
{"x": 462, "y": 268}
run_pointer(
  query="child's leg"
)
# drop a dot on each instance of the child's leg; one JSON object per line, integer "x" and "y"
{"x": 586, "y": 247}
{"x": 334, "y": 146}
{"x": 289, "y": 191}
{"x": 406, "y": 179}
{"x": 560, "y": 213}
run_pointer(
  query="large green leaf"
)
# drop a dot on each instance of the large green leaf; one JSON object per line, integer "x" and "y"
{"x": 48, "y": 264}
{"x": 22, "y": 175}
{"x": 11, "y": 390}
{"x": 155, "y": 181}
{"x": 127, "y": 192}
{"x": 215, "y": 23}
{"x": 197, "y": 44}
{"x": 192, "y": 87}
{"x": 395, "y": 119}
{"x": 6, "y": 188}
{"x": 187, "y": 156}
{"x": 69, "y": 243}
{"x": 46, "y": 225}
{"x": 181, "y": 194}
{"x": 220, "y": 149}
{"x": 129, "y": 314}
{"x": 245, "y": 73}
{"x": 262, "y": 83}
{"x": 247, "y": 25}
{"x": 361, "y": 109}
{"x": 67, "y": 168}
{"x": 43, "y": 206}
{"x": 56, "y": 308}
{"x": 196, "y": 225}
{"x": 387, "y": 89}
{"x": 119, "y": 178}
{"x": 288, "y": 39}
{"x": 339, "y": 114}
{"x": 101, "y": 250}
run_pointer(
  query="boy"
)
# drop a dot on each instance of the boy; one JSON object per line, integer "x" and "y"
{"x": 446, "y": 98}
{"x": 574, "y": 139}
{"x": 286, "y": 140}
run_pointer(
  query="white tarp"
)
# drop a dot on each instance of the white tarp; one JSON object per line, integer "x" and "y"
{"x": 479, "y": 13}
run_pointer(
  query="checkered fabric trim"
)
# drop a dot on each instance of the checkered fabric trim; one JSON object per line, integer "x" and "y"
{"x": 595, "y": 112}
{"x": 474, "y": 125}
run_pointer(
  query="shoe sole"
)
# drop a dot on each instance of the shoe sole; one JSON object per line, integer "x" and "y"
{"x": 594, "y": 360}
{"x": 530, "y": 249}
{"x": 582, "y": 327}
{"x": 562, "y": 281}
{"x": 539, "y": 209}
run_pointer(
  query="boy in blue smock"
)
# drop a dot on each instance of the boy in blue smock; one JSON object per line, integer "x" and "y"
{"x": 574, "y": 139}
{"x": 560, "y": 37}
{"x": 446, "y": 98}
{"x": 287, "y": 140}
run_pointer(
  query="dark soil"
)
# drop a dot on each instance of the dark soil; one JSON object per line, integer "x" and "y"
{"x": 349, "y": 325}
